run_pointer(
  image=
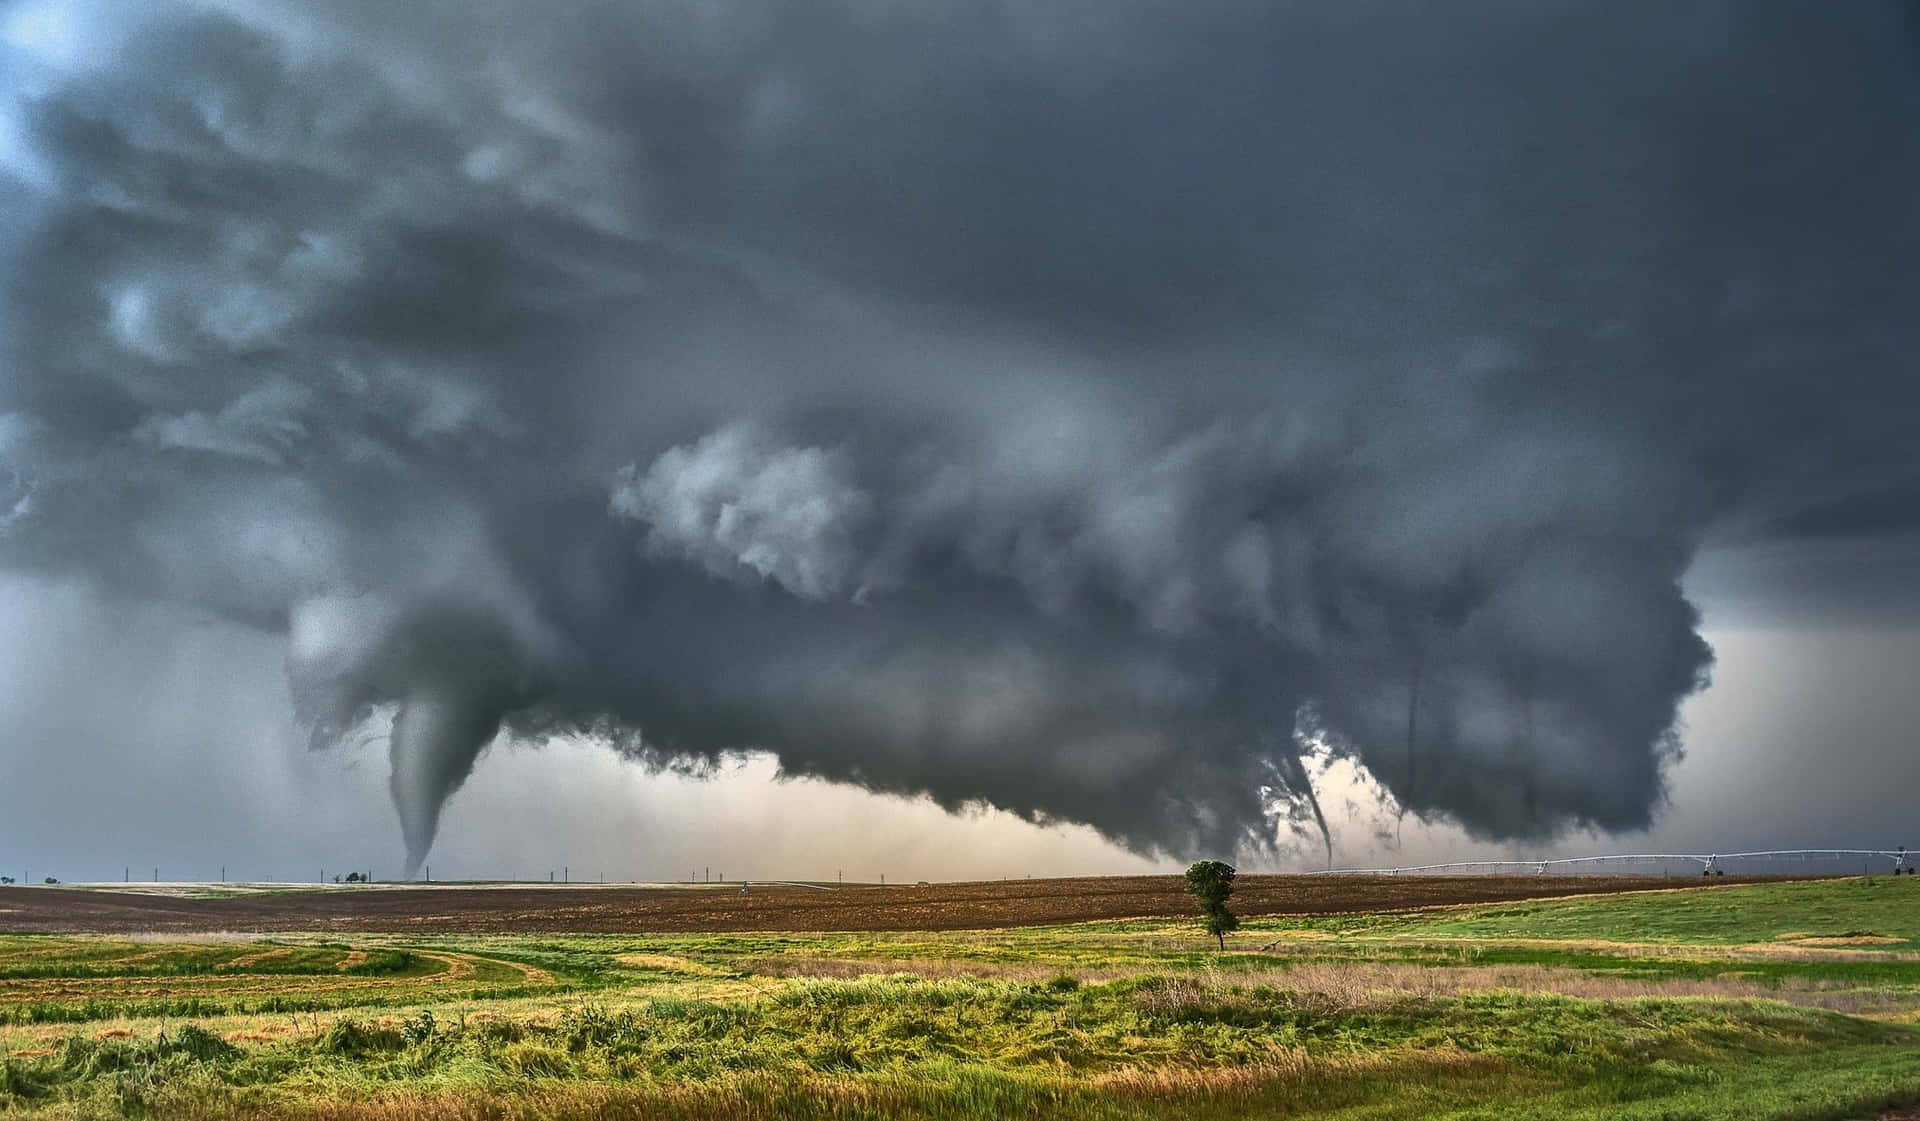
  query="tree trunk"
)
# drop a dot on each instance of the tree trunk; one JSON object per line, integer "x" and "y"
{"x": 1223, "y": 941}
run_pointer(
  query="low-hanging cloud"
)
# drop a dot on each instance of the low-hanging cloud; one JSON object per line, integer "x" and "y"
{"x": 735, "y": 507}
{"x": 1093, "y": 411}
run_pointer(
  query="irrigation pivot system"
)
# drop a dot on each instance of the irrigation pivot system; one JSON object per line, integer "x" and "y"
{"x": 1711, "y": 864}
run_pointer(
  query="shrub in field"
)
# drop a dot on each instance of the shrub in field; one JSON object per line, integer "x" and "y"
{"x": 418, "y": 1029}
{"x": 354, "y": 1038}
{"x": 79, "y": 1057}
{"x": 202, "y": 1044}
{"x": 17, "y": 1081}
{"x": 497, "y": 1031}
{"x": 533, "y": 1060}
{"x": 593, "y": 1026}
{"x": 1210, "y": 882}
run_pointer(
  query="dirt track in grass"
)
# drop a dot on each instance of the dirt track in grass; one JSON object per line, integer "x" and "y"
{"x": 596, "y": 909}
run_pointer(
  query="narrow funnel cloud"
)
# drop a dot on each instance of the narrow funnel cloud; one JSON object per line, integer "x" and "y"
{"x": 436, "y": 738}
{"x": 1109, "y": 412}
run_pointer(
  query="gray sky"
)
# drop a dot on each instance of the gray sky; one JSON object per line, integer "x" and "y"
{"x": 972, "y": 438}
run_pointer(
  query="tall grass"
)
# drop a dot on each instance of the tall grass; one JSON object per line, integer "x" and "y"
{"x": 901, "y": 1046}
{"x": 1436, "y": 1015}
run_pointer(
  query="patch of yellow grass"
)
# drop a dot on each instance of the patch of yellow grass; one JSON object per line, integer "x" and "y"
{"x": 668, "y": 963}
{"x": 1369, "y": 984}
{"x": 718, "y": 991}
{"x": 854, "y": 968}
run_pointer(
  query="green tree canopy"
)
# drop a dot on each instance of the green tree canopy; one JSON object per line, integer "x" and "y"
{"x": 1211, "y": 883}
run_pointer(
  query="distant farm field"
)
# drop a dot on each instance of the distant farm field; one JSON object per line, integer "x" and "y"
{"x": 495, "y": 909}
{"x": 1795, "y": 1001}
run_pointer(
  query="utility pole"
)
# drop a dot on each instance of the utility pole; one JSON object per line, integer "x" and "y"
{"x": 566, "y": 874}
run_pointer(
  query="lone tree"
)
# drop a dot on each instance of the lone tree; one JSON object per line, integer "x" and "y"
{"x": 1211, "y": 882}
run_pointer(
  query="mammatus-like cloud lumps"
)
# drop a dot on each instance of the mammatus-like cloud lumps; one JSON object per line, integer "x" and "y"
{"x": 1091, "y": 411}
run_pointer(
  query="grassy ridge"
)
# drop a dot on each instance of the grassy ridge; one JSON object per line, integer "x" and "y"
{"x": 1612, "y": 1007}
{"x": 1884, "y": 907}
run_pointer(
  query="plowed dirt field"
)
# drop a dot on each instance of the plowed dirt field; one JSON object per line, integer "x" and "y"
{"x": 595, "y": 909}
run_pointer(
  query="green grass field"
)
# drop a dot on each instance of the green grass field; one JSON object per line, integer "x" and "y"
{"x": 1749, "y": 1002}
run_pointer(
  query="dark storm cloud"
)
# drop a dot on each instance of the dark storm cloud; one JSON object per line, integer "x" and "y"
{"x": 1087, "y": 409}
{"x": 1857, "y": 514}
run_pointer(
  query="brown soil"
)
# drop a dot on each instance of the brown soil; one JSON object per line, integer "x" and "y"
{"x": 946, "y": 906}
